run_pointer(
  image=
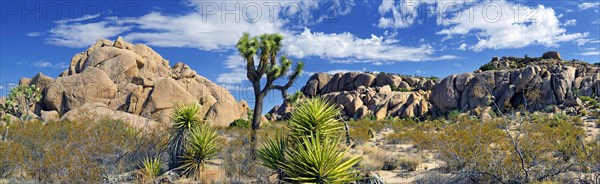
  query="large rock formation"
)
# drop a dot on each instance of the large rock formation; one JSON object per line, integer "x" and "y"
{"x": 509, "y": 82}
{"x": 518, "y": 83}
{"x": 126, "y": 80}
{"x": 367, "y": 94}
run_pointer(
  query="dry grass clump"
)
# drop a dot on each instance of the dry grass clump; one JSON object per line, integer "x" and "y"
{"x": 497, "y": 151}
{"x": 70, "y": 152}
{"x": 409, "y": 164}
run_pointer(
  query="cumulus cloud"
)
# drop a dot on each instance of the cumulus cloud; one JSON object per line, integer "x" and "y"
{"x": 237, "y": 73}
{"x": 404, "y": 13}
{"x": 497, "y": 28}
{"x": 346, "y": 45}
{"x": 33, "y": 34}
{"x": 590, "y": 53}
{"x": 570, "y": 22}
{"x": 81, "y": 35}
{"x": 44, "y": 64}
{"x": 588, "y": 5}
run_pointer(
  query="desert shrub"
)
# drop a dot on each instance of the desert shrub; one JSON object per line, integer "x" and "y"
{"x": 491, "y": 149}
{"x": 403, "y": 90}
{"x": 243, "y": 123}
{"x": 295, "y": 97}
{"x": 185, "y": 118}
{"x": 319, "y": 161}
{"x": 453, "y": 115}
{"x": 315, "y": 117}
{"x": 151, "y": 167}
{"x": 20, "y": 100}
{"x": 73, "y": 152}
{"x": 359, "y": 130}
{"x": 409, "y": 164}
{"x": 202, "y": 145}
{"x": 590, "y": 100}
{"x": 488, "y": 66}
{"x": 311, "y": 152}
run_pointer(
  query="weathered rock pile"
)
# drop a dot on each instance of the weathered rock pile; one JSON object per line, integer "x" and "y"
{"x": 134, "y": 83}
{"x": 362, "y": 94}
{"x": 538, "y": 83}
{"x": 510, "y": 82}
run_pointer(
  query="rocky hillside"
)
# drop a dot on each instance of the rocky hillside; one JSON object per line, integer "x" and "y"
{"x": 511, "y": 82}
{"x": 536, "y": 84}
{"x": 364, "y": 94}
{"x": 131, "y": 82}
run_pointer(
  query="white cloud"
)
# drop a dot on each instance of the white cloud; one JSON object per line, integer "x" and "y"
{"x": 457, "y": 65}
{"x": 45, "y": 64}
{"x": 596, "y": 22}
{"x": 495, "y": 29}
{"x": 570, "y": 22}
{"x": 79, "y": 19}
{"x": 588, "y": 5}
{"x": 590, "y": 53}
{"x": 33, "y": 34}
{"x": 347, "y": 46}
{"x": 78, "y": 35}
{"x": 462, "y": 46}
{"x": 405, "y": 13}
{"x": 237, "y": 74}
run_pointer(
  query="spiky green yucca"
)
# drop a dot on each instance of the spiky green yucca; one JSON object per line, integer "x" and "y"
{"x": 185, "y": 118}
{"x": 202, "y": 145}
{"x": 311, "y": 153}
{"x": 314, "y": 160}
{"x": 152, "y": 167}
{"x": 272, "y": 152}
{"x": 315, "y": 117}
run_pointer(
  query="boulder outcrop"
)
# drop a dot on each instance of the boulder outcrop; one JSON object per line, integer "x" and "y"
{"x": 132, "y": 82}
{"x": 359, "y": 95}
{"x": 510, "y": 83}
{"x": 527, "y": 83}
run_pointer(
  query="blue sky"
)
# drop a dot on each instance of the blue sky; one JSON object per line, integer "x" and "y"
{"x": 427, "y": 38}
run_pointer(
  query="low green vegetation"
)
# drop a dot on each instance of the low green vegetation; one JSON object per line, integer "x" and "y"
{"x": 73, "y": 152}
{"x": 310, "y": 151}
{"x": 242, "y": 123}
{"x": 185, "y": 119}
{"x": 151, "y": 167}
{"x": 488, "y": 66}
{"x": 525, "y": 149}
{"x": 203, "y": 144}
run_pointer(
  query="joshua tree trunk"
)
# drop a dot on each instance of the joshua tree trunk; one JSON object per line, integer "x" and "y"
{"x": 5, "y": 138}
{"x": 256, "y": 123}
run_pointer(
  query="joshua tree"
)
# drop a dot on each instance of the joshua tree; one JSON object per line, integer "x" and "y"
{"x": 265, "y": 47}
{"x": 20, "y": 100}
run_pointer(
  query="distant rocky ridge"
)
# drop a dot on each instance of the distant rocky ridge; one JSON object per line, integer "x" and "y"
{"x": 364, "y": 94}
{"x": 511, "y": 82}
{"x": 134, "y": 83}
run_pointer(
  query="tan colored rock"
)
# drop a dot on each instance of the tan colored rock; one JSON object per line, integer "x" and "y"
{"x": 385, "y": 89}
{"x": 119, "y": 43}
{"x": 49, "y": 116}
{"x": 66, "y": 93}
{"x": 97, "y": 111}
{"x": 168, "y": 94}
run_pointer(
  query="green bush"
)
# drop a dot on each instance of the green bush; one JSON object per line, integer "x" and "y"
{"x": 76, "y": 152}
{"x": 242, "y": 123}
{"x": 315, "y": 117}
{"x": 185, "y": 118}
{"x": 319, "y": 161}
{"x": 151, "y": 167}
{"x": 202, "y": 145}
{"x": 311, "y": 152}
{"x": 488, "y": 66}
